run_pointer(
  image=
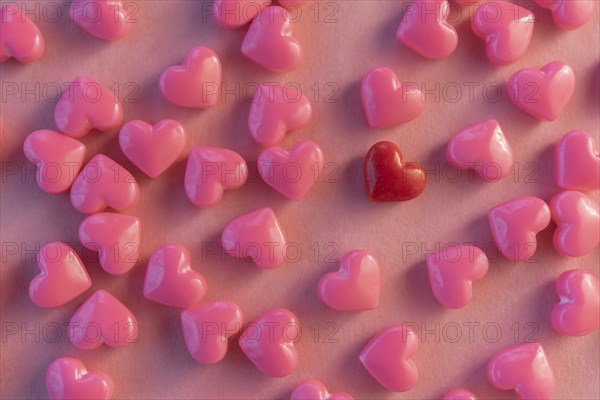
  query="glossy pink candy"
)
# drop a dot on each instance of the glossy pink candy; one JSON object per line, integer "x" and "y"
{"x": 102, "y": 319}
{"x": 459, "y": 394}
{"x": 275, "y": 111}
{"x": 105, "y": 19}
{"x": 19, "y": 36}
{"x": 515, "y": 225}
{"x": 104, "y": 183}
{"x": 195, "y": 83}
{"x": 482, "y": 147}
{"x": 356, "y": 286}
{"x": 578, "y": 310}
{"x": 207, "y": 328}
{"x": 87, "y": 105}
{"x": 269, "y": 342}
{"x": 63, "y": 276}
{"x": 577, "y": 219}
{"x": 388, "y": 358}
{"x": 233, "y": 14}
{"x": 452, "y": 272}
{"x": 577, "y": 162}
{"x": 386, "y": 101}
{"x": 116, "y": 237}
{"x": 210, "y": 171}
{"x": 569, "y": 14}
{"x": 425, "y": 30}
{"x": 506, "y": 29}
{"x": 257, "y": 236}
{"x": 292, "y": 173}
{"x": 312, "y": 389}
{"x": 544, "y": 93}
{"x": 58, "y": 159}
{"x": 523, "y": 368}
{"x": 68, "y": 378}
{"x": 170, "y": 279}
{"x": 269, "y": 41}
{"x": 152, "y": 148}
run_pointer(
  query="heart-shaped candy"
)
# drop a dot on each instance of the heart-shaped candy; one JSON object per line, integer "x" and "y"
{"x": 104, "y": 183}
{"x": 116, "y": 238}
{"x": 523, "y": 368}
{"x": 483, "y": 148}
{"x": 388, "y": 178}
{"x": 63, "y": 276}
{"x": 356, "y": 286}
{"x": 543, "y": 93}
{"x": 269, "y": 342}
{"x": 58, "y": 159}
{"x": 515, "y": 225}
{"x": 292, "y": 173}
{"x": 195, "y": 83}
{"x": 506, "y": 29}
{"x": 577, "y": 219}
{"x": 105, "y": 19}
{"x": 578, "y": 310}
{"x": 170, "y": 278}
{"x": 102, "y": 319}
{"x": 257, "y": 236}
{"x": 569, "y": 14}
{"x": 577, "y": 162}
{"x": 425, "y": 30}
{"x": 275, "y": 111}
{"x": 459, "y": 394}
{"x": 152, "y": 149}
{"x": 233, "y": 14}
{"x": 388, "y": 358}
{"x": 386, "y": 101}
{"x": 19, "y": 36}
{"x": 312, "y": 389}
{"x": 87, "y": 105}
{"x": 269, "y": 41}
{"x": 207, "y": 328}
{"x": 68, "y": 378}
{"x": 210, "y": 171}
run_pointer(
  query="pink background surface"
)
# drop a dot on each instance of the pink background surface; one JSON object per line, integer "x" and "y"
{"x": 335, "y": 215}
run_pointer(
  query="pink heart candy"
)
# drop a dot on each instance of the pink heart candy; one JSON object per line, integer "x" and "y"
{"x": 19, "y": 36}
{"x": 87, "y": 105}
{"x": 577, "y": 162}
{"x": 425, "y": 30}
{"x": 569, "y": 14}
{"x": 58, "y": 159}
{"x": 68, "y": 378}
{"x": 356, "y": 286}
{"x": 515, "y": 225}
{"x": 452, "y": 272}
{"x": 63, "y": 276}
{"x": 482, "y": 147}
{"x": 152, "y": 149}
{"x": 292, "y": 173}
{"x": 543, "y": 93}
{"x": 102, "y": 319}
{"x": 388, "y": 358}
{"x": 291, "y": 4}
{"x": 506, "y": 29}
{"x": 105, "y": 19}
{"x": 207, "y": 328}
{"x": 233, "y": 14}
{"x": 312, "y": 389}
{"x": 269, "y": 41}
{"x": 269, "y": 342}
{"x": 196, "y": 82}
{"x": 523, "y": 368}
{"x": 104, "y": 183}
{"x": 275, "y": 111}
{"x": 116, "y": 237}
{"x": 578, "y": 310}
{"x": 210, "y": 171}
{"x": 459, "y": 394}
{"x": 256, "y": 235}
{"x": 170, "y": 278}
{"x": 577, "y": 219}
